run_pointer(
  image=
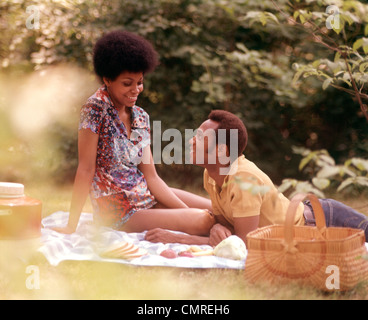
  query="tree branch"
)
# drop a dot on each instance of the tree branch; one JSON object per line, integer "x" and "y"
{"x": 319, "y": 38}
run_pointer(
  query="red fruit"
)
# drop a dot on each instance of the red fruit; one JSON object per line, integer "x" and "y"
{"x": 186, "y": 254}
{"x": 169, "y": 253}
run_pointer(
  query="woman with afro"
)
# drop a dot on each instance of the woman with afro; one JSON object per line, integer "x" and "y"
{"x": 115, "y": 161}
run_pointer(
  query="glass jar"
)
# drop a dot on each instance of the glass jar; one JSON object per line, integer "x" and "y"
{"x": 20, "y": 216}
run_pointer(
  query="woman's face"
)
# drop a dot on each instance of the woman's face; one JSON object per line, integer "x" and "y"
{"x": 125, "y": 89}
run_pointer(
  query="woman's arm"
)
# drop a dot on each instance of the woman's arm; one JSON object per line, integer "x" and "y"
{"x": 87, "y": 151}
{"x": 160, "y": 190}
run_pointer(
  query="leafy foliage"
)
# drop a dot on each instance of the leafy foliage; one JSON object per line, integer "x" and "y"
{"x": 324, "y": 173}
{"x": 349, "y": 51}
{"x": 275, "y": 64}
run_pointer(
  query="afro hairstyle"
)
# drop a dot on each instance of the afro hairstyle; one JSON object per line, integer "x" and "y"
{"x": 119, "y": 51}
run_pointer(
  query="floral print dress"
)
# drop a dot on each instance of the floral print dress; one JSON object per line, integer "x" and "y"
{"x": 119, "y": 188}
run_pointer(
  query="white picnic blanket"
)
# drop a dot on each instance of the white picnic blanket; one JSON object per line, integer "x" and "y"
{"x": 88, "y": 241}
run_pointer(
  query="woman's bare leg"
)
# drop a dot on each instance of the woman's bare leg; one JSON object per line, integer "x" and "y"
{"x": 195, "y": 220}
{"x": 193, "y": 200}
{"x": 192, "y": 221}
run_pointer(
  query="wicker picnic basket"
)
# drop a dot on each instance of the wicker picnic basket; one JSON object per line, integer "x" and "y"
{"x": 325, "y": 258}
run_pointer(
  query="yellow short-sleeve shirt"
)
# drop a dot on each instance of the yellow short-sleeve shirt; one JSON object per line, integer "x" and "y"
{"x": 231, "y": 201}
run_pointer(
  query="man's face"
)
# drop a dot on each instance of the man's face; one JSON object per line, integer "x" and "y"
{"x": 203, "y": 144}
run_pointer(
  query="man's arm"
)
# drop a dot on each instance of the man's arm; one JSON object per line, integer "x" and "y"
{"x": 242, "y": 226}
{"x": 218, "y": 233}
{"x": 166, "y": 236}
{"x": 222, "y": 230}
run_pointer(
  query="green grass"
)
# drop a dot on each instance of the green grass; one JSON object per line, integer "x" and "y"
{"x": 95, "y": 280}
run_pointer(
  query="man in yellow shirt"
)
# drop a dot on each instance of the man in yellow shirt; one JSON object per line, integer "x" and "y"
{"x": 236, "y": 198}
{"x": 243, "y": 197}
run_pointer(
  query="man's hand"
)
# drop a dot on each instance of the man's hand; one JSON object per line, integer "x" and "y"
{"x": 161, "y": 235}
{"x": 218, "y": 233}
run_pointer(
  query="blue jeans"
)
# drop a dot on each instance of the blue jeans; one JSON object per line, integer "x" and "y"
{"x": 338, "y": 214}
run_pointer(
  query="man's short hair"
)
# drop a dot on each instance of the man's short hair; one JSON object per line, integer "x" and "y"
{"x": 228, "y": 121}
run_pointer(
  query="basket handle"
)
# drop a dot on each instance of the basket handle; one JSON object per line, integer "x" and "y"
{"x": 290, "y": 215}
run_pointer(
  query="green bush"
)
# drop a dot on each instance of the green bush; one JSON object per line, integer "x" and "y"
{"x": 275, "y": 64}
